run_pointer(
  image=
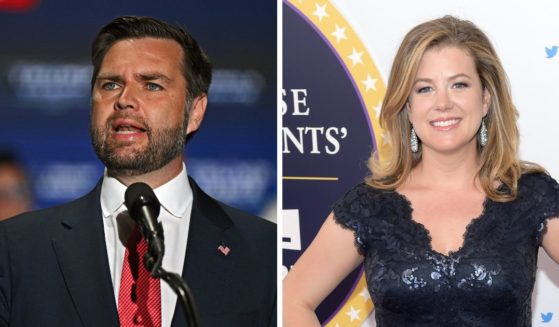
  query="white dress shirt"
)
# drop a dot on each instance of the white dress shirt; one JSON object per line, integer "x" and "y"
{"x": 176, "y": 205}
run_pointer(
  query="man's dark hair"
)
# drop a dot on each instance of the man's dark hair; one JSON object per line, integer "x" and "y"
{"x": 197, "y": 68}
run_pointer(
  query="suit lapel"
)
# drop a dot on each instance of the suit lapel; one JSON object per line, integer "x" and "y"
{"x": 209, "y": 227}
{"x": 81, "y": 253}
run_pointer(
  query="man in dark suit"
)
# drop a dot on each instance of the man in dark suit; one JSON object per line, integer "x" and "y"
{"x": 71, "y": 265}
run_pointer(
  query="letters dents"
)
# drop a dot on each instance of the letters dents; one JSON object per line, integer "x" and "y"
{"x": 320, "y": 138}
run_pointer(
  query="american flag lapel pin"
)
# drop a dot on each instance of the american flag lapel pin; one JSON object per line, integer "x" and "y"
{"x": 223, "y": 248}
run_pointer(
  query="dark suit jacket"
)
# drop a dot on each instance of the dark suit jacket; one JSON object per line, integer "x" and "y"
{"x": 54, "y": 268}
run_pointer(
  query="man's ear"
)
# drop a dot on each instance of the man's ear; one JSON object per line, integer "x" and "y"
{"x": 196, "y": 114}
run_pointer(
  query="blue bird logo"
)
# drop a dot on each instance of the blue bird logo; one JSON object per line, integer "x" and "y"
{"x": 546, "y": 317}
{"x": 551, "y": 52}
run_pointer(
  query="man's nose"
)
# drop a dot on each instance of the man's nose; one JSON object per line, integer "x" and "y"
{"x": 127, "y": 99}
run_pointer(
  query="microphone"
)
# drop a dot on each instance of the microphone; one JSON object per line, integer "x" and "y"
{"x": 144, "y": 207}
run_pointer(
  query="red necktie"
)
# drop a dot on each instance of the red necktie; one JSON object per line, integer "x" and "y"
{"x": 139, "y": 296}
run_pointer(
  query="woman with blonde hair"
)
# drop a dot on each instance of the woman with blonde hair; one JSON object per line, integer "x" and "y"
{"x": 448, "y": 228}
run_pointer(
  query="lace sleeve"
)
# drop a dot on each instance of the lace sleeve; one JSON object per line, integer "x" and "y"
{"x": 546, "y": 191}
{"x": 351, "y": 212}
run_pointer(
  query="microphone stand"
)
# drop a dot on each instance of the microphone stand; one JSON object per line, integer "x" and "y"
{"x": 183, "y": 293}
{"x": 152, "y": 262}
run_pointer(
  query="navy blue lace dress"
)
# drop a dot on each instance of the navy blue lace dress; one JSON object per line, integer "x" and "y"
{"x": 487, "y": 282}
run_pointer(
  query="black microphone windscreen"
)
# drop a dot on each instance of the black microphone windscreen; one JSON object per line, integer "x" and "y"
{"x": 138, "y": 195}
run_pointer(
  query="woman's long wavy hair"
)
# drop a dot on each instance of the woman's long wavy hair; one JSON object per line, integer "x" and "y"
{"x": 499, "y": 162}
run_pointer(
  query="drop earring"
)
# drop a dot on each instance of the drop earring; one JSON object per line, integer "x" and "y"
{"x": 482, "y": 135}
{"x": 414, "y": 142}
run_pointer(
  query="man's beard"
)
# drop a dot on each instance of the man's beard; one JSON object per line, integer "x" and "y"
{"x": 163, "y": 146}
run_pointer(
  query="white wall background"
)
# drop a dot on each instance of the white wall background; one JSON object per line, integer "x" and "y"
{"x": 520, "y": 32}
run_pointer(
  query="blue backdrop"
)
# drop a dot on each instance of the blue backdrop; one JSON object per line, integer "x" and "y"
{"x": 326, "y": 141}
